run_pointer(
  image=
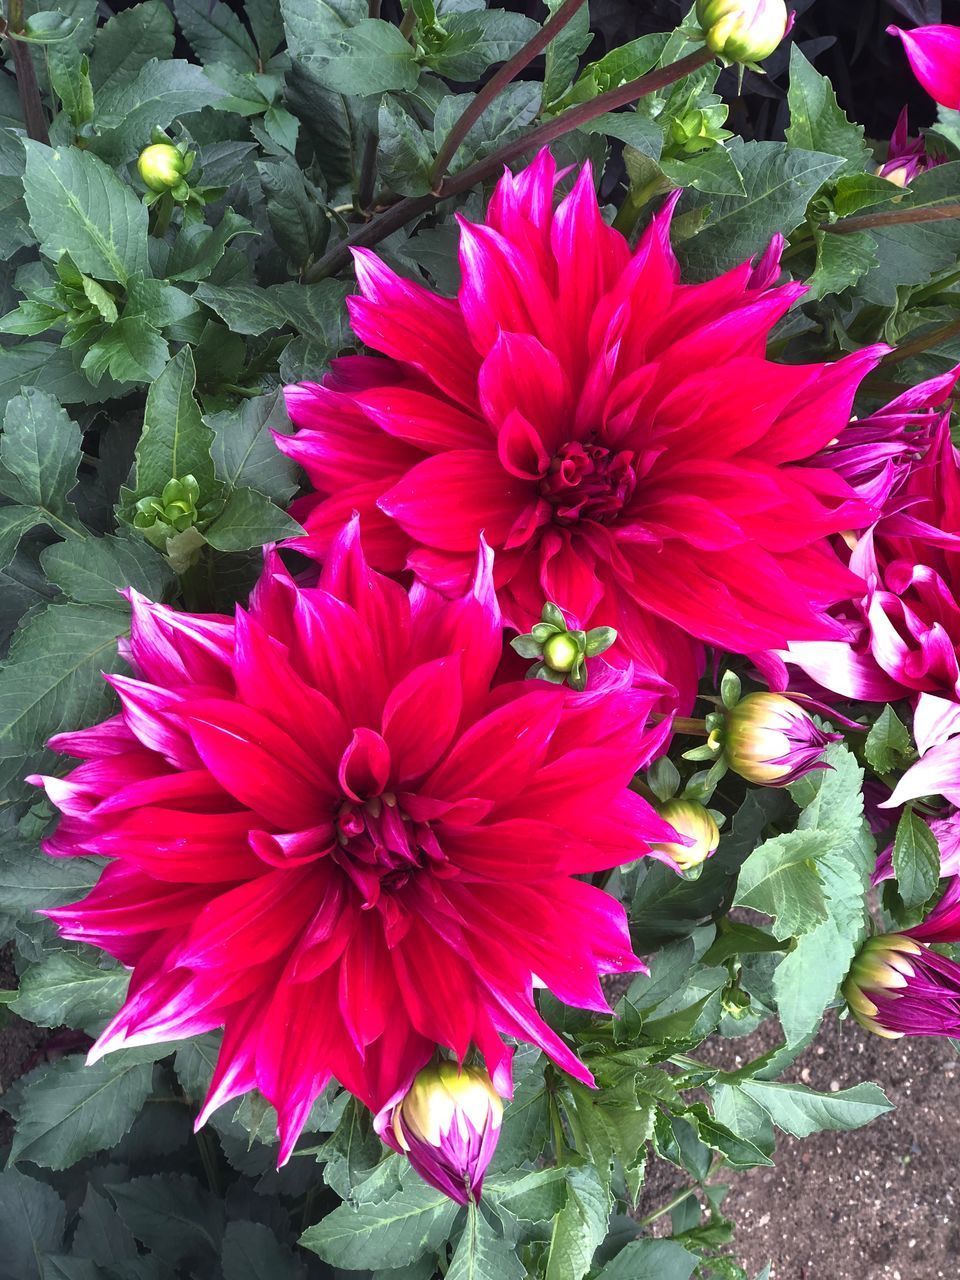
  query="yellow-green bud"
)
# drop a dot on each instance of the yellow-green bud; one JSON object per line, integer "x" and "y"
{"x": 770, "y": 740}
{"x": 743, "y": 30}
{"x": 162, "y": 166}
{"x": 689, "y": 819}
{"x": 561, "y": 652}
{"x": 448, "y": 1125}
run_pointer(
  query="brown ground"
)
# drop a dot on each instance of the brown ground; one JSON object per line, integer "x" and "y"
{"x": 877, "y": 1203}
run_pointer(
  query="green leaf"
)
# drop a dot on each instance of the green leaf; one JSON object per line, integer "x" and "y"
{"x": 29, "y": 883}
{"x": 801, "y": 1111}
{"x": 294, "y": 210}
{"x": 310, "y": 22}
{"x": 735, "y": 939}
{"x": 778, "y": 182}
{"x": 96, "y": 570}
{"x": 79, "y": 206}
{"x": 476, "y": 40}
{"x": 314, "y": 310}
{"x": 252, "y": 1252}
{"x": 733, "y": 1108}
{"x": 651, "y": 1260}
{"x": 30, "y": 363}
{"x": 842, "y": 261}
{"x": 913, "y": 253}
{"x": 888, "y": 745}
{"x": 816, "y": 121}
{"x": 713, "y": 171}
{"x": 131, "y": 351}
{"x": 39, "y": 456}
{"x": 216, "y": 34}
{"x": 563, "y": 52}
{"x": 483, "y": 1255}
{"x": 32, "y": 1223}
{"x": 127, "y": 41}
{"x": 739, "y": 1152}
{"x": 66, "y": 989}
{"x": 101, "y": 1234}
{"x": 405, "y": 155}
{"x": 613, "y": 1127}
{"x": 579, "y": 1227}
{"x": 916, "y": 859}
{"x": 505, "y": 118}
{"x": 781, "y": 879}
{"x": 161, "y": 92}
{"x": 198, "y": 248}
{"x": 415, "y": 1220}
{"x": 73, "y": 1110}
{"x": 244, "y": 452}
{"x": 522, "y": 1198}
{"x": 175, "y": 441}
{"x": 157, "y": 302}
{"x": 173, "y": 1215}
{"x": 371, "y": 57}
{"x": 249, "y": 519}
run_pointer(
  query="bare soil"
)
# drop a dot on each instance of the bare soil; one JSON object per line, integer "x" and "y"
{"x": 880, "y": 1203}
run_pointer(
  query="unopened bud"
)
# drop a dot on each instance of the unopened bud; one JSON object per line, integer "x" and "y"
{"x": 163, "y": 167}
{"x": 690, "y": 819}
{"x": 770, "y": 740}
{"x": 883, "y": 965}
{"x": 448, "y": 1125}
{"x": 743, "y": 30}
{"x": 561, "y": 653}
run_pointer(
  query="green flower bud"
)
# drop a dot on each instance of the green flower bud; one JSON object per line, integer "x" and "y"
{"x": 743, "y": 30}
{"x": 561, "y": 652}
{"x": 694, "y": 821}
{"x": 699, "y": 129}
{"x": 162, "y": 166}
{"x": 173, "y": 511}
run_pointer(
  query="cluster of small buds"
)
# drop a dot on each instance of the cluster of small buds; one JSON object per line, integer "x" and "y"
{"x": 174, "y": 511}
{"x": 561, "y": 654}
{"x": 697, "y": 129}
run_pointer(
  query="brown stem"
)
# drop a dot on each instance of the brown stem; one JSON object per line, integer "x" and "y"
{"x": 373, "y": 8}
{"x": 924, "y": 343}
{"x": 412, "y": 207}
{"x": 27, "y": 87}
{"x": 508, "y": 72}
{"x": 890, "y": 218}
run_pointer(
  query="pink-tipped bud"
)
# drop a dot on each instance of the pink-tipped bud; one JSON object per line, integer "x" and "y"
{"x": 899, "y": 987}
{"x": 743, "y": 30}
{"x": 690, "y": 819}
{"x": 448, "y": 1125}
{"x": 770, "y": 740}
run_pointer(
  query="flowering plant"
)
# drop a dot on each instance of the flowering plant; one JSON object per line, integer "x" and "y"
{"x": 481, "y": 604}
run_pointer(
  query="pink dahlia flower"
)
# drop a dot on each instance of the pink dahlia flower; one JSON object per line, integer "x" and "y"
{"x": 329, "y": 835}
{"x": 934, "y": 56}
{"x": 904, "y": 626}
{"x": 620, "y": 438}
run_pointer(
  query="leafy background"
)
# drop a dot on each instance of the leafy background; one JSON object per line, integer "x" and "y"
{"x": 133, "y": 355}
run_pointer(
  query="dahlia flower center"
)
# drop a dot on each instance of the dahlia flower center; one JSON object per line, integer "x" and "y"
{"x": 589, "y": 482}
{"x": 381, "y": 848}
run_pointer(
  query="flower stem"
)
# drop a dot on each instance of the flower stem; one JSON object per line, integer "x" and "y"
{"x": 671, "y": 1204}
{"x": 924, "y": 343}
{"x": 891, "y": 218}
{"x": 26, "y": 76}
{"x": 633, "y": 204}
{"x": 695, "y": 728}
{"x": 404, "y": 211}
{"x": 508, "y": 72}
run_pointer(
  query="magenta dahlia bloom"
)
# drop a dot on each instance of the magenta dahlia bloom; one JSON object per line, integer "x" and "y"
{"x": 904, "y": 627}
{"x": 934, "y": 56}
{"x": 328, "y": 834}
{"x": 620, "y": 438}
